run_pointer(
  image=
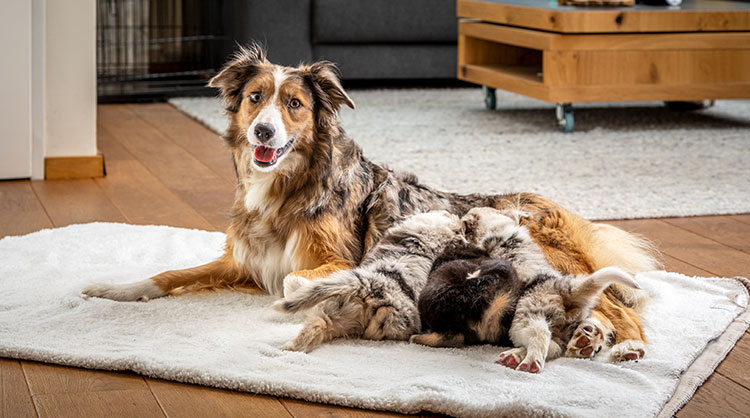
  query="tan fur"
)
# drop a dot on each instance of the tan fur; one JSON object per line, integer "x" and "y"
{"x": 491, "y": 320}
{"x": 435, "y": 339}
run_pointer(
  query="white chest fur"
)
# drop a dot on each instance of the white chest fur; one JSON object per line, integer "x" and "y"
{"x": 269, "y": 261}
{"x": 269, "y": 257}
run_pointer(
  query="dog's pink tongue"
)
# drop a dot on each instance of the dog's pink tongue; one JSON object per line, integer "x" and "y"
{"x": 264, "y": 154}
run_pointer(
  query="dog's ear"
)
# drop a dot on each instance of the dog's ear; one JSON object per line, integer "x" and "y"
{"x": 232, "y": 78}
{"x": 326, "y": 88}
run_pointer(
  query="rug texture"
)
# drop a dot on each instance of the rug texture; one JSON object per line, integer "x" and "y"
{"x": 232, "y": 339}
{"x": 632, "y": 160}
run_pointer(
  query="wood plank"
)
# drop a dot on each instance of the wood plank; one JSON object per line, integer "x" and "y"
{"x": 723, "y": 229}
{"x": 717, "y": 397}
{"x": 690, "y": 247}
{"x": 75, "y": 201}
{"x": 202, "y": 143}
{"x": 658, "y": 69}
{"x": 20, "y": 210}
{"x": 46, "y": 379}
{"x": 502, "y": 77}
{"x": 644, "y": 92}
{"x": 138, "y": 194}
{"x": 303, "y": 409}
{"x": 112, "y": 404}
{"x": 651, "y": 41}
{"x": 15, "y": 398}
{"x": 679, "y": 266}
{"x": 734, "y": 367}
{"x": 192, "y": 181}
{"x": 182, "y": 400}
{"x": 542, "y": 14}
{"x": 744, "y": 218}
{"x": 507, "y": 35}
{"x": 73, "y": 167}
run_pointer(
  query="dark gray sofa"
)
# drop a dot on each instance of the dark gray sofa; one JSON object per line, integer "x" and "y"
{"x": 368, "y": 39}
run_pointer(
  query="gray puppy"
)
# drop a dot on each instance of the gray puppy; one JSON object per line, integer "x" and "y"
{"x": 376, "y": 300}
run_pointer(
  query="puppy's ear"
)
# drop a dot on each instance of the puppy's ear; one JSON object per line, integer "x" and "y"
{"x": 232, "y": 78}
{"x": 326, "y": 87}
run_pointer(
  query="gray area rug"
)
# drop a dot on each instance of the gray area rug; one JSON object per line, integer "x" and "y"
{"x": 630, "y": 160}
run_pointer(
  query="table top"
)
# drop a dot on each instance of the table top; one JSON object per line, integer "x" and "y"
{"x": 690, "y": 16}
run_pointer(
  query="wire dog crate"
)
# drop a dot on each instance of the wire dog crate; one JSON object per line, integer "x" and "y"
{"x": 155, "y": 49}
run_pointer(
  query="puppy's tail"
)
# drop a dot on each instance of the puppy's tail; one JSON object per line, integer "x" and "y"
{"x": 341, "y": 284}
{"x": 585, "y": 295}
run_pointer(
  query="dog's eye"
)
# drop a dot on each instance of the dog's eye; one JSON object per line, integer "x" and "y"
{"x": 295, "y": 104}
{"x": 254, "y": 97}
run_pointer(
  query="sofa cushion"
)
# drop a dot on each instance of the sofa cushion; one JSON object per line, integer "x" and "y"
{"x": 353, "y": 21}
{"x": 391, "y": 61}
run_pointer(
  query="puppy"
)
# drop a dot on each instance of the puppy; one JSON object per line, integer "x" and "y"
{"x": 501, "y": 285}
{"x": 377, "y": 300}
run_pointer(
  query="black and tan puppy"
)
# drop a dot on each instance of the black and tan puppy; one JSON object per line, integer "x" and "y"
{"x": 469, "y": 298}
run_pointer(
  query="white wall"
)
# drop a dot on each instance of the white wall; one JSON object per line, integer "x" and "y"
{"x": 70, "y": 78}
{"x": 15, "y": 89}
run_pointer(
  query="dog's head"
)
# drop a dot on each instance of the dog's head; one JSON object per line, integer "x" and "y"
{"x": 276, "y": 111}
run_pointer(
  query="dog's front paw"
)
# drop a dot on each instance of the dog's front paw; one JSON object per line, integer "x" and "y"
{"x": 628, "y": 350}
{"x": 139, "y": 291}
{"x": 588, "y": 339}
{"x": 292, "y": 283}
{"x": 294, "y": 346}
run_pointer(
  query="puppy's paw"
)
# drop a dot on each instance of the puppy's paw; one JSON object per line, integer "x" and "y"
{"x": 512, "y": 358}
{"x": 139, "y": 291}
{"x": 588, "y": 339}
{"x": 532, "y": 363}
{"x": 628, "y": 350}
{"x": 292, "y": 283}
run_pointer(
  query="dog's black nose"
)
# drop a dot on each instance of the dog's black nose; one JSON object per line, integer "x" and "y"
{"x": 264, "y": 132}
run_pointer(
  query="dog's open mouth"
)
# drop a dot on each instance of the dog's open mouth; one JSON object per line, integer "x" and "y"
{"x": 267, "y": 156}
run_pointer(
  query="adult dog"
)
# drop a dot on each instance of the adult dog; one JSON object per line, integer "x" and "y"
{"x": 308, "y": 203}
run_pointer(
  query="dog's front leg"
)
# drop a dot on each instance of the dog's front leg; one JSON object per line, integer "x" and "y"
{"x": 222, "y": 272}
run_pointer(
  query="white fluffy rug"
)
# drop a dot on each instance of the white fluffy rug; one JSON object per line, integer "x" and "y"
{"x": 629, "y": 160}
{"x": 231, "y": 340}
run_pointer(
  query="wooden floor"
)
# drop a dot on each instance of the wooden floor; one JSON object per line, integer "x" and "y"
{"x": 163, "y": 168}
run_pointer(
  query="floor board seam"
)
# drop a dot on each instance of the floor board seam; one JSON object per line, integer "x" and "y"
{"x": 706, "y": 237}
{"x": 166, "y": 135}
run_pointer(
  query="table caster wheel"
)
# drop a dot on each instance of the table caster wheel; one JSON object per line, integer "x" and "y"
{"x": 689, "y": 106}
{"x": 564, "y": 112}
{"x": 490, "y": 99}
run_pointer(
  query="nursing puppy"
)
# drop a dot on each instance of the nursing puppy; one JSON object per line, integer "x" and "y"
{"x": 504, "y": 237}
{"x": 472, "y": 297}
{"x": 377, "y": 300}
{"x": 308, "y": 202}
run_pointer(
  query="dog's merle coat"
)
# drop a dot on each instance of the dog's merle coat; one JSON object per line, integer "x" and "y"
{"x": 377, "y": 300}
{"x": 500, "y": 285}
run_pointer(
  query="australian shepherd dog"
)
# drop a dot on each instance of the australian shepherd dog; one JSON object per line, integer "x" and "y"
{"x": 308, "y": 203}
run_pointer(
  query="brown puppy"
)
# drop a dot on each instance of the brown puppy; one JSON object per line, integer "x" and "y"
{"x": 308, "y": 203}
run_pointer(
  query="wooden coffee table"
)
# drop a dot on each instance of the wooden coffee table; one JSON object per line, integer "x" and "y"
{"x": 564, "y": 54}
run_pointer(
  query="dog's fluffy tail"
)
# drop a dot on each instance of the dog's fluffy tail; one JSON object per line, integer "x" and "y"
{"x": 585, "y": 295}
{"x": 341, "y": 284}
{"x": 612, "y": 246}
